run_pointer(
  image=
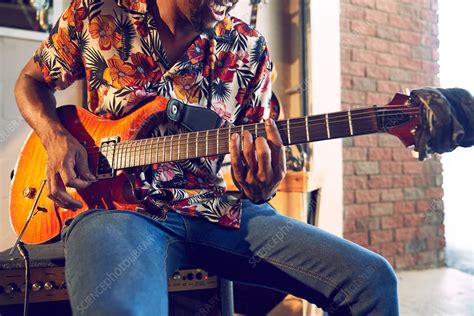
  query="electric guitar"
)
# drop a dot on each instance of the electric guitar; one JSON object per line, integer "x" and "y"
{"x": 115, "y": 147}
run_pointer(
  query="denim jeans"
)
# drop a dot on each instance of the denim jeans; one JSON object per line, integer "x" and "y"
{"x": 118, "y": 262}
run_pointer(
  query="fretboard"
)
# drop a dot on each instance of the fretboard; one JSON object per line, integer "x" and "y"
{"x": 217, "y": 141}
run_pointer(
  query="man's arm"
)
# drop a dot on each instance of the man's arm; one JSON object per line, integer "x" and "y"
{"x": 67, "y": 158}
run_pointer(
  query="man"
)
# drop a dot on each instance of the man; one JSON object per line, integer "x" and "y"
{"x": 118, "y": 262}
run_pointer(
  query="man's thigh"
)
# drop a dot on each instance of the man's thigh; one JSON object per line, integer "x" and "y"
{"x": 282, "y": 253}
{"x": 113, "y": 255}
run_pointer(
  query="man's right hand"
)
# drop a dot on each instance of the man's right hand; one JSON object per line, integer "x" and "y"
{"x": 67, "y": 166}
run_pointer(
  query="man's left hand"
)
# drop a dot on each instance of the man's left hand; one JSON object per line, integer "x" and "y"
{"x": 261, "y": 165}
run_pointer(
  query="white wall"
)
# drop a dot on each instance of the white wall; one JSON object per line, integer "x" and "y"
{"x": 326, "y": 97}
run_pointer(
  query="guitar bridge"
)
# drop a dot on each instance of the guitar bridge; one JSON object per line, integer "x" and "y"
{"x": 105, "y": 166}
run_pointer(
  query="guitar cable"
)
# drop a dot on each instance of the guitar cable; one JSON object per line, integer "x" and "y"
{"x": 24, "y": 254}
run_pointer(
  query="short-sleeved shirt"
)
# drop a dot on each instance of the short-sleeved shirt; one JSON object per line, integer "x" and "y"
{"x": 116, "y": 47}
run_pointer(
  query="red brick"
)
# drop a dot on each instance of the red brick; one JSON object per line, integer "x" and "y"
{"x": 377, "y": 209}
{"x": 423, "y": 206}
{"x": 427, "y": 257}
{"x": 402, "y": 154}
{"x": 388, "y": 60}
{"x": 363, "y": 27}
{"x": 366, "y": 140}
{"x": 351, "y": 96}
{"x": 407, "y": 261}
{"x": 410, "y": 63}
{"x": 366, "y": 167}
{"x": 349, "y": 196}
{"x": 355, "y": 153}
{"x": 380, "y": 182}
{"x": 381, "y": 236}
{"x": 359, "y": 238}
{"x": 404, "y": 234}
{"x": 363, "y": 84}
{"x": 434, "y": 193}
{"x": 389, "y": 222}
{"x": 352, "y": 68}
{"x": 355, "y": 182}
{"x": 377, "y": 72}
{"x": 390, "y": 167}
{"x": 391, "y": 195}
{"x": 388, "y": 33}
{"x": 348, "y": 168}
{"x": 400, "y": 22}
{"x": 412, "y": 167}
{"x": 367, "y": 224}
{"x": 377, "y": 44}
{"x": 400, "y": 49}
{"x": 387, "y": 5}
{"x": 441, "y": 230}
{"x": 389, "y": 141}
{"x": 404, "y": 207}
{"x": 388, "y": 86}
{"x": 376, "y": 16}
{"x": 413, "y": 220}
{"x": 352, "y": 12}
{"x": 349, "y": 225}
{"x": 356, "y": 210}
{"x": 410, "y": 37}
{"x": 364, "y": 3}
{"x": 402, "y": 181}
{"x": 363, "y": 56}
{"x": 436, "y": 243}
{"x": 427, "y": 232}
{"x": 374, "y": 98}
{"x": 392, "y": 248}
{"x": 352, "y": 40}
{"x": 367, "y": 196}
{"x": 380, "y": 154}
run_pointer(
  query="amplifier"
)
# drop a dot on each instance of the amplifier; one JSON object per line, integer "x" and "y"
{"x": 47, "y": 281}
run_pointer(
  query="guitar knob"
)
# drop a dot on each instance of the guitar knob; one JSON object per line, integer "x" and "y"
{"x": 10, "y": 288}
{"x": 49, "y": 285}
{"x": 29, "y": 192}
{"x": 36, "y": 286}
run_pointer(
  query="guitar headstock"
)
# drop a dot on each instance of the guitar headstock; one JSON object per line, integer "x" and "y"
{"x": 400, "y": 118}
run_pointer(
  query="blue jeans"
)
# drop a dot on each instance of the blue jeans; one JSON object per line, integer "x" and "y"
{"x": 118, "y": 262}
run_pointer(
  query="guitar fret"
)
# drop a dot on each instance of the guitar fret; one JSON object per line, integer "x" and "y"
{"x": 350, "y": 122}
{"x": 256, "y": 130}
{"x": 307, "y": 130}
{"x": 150, "y": 152}
{"x": 187, "y": 146}
{"x": 288, "y": 131}
{"x": 196, "y": 155}
{"x": 157, "y": 146}
{"x": 171, "y": 148}
{"x": 164, "y": 145}
{"x": 144, "y": 153}
{"x": 207, "y": 139}
{"x": 179, "y": 145}
{"x": 327, "y": 126}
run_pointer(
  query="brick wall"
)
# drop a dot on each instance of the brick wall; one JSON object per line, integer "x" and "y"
{"x": 392, "y": 202}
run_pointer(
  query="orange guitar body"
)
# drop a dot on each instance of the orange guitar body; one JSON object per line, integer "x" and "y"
{"x": 113, "y": 193}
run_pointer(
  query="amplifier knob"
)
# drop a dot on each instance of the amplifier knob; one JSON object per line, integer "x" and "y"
{"x": 36, "y": 286}
{"x": 49, "y": 285}
{"x": 199, "y": 276}
{"x": 10, "y": 288}
{"x": 190, "y": 276}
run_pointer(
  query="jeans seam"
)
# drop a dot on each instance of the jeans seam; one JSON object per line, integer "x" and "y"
{"x": 167, "y": 247}
{"x": 285, "y": 265}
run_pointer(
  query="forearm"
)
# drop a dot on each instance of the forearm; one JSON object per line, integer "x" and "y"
{"x": 37, "y": 105}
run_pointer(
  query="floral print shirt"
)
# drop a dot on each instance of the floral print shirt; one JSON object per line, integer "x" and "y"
{"x": 116, "y": 48}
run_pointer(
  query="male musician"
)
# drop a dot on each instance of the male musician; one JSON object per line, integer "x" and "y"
{"x": 118, "y": 262}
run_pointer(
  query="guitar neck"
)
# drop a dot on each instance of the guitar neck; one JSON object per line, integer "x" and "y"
{"x": 253, "y": 17}
{"x": 217, "y": 141}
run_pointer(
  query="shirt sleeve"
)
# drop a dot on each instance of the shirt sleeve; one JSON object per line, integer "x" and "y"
{"x": 256, "y": 97}
{"x": 59, "y": 55}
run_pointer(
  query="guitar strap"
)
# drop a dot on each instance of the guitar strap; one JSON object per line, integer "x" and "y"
{"x": 194, "y": 118}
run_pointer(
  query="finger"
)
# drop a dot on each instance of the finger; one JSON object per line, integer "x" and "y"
{"x": 82, "y": 167}
{"x": 275, "y": 143}
{"x": 69, "y": 177}
{"x": 236, "y": 159}
{"x": 250, "y": 155}
{"x": 264, "y": 172}
{"x": 59, "y": 195}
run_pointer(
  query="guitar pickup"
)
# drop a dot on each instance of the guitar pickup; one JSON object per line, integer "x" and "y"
{"x": 105, "y": 164}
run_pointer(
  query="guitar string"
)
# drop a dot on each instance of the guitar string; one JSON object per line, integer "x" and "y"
{"x": 143, "y": 153}
{"x": 136, "y": 147}
{"x": 354, "y": 114}
{"x": 294, "y": 123}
